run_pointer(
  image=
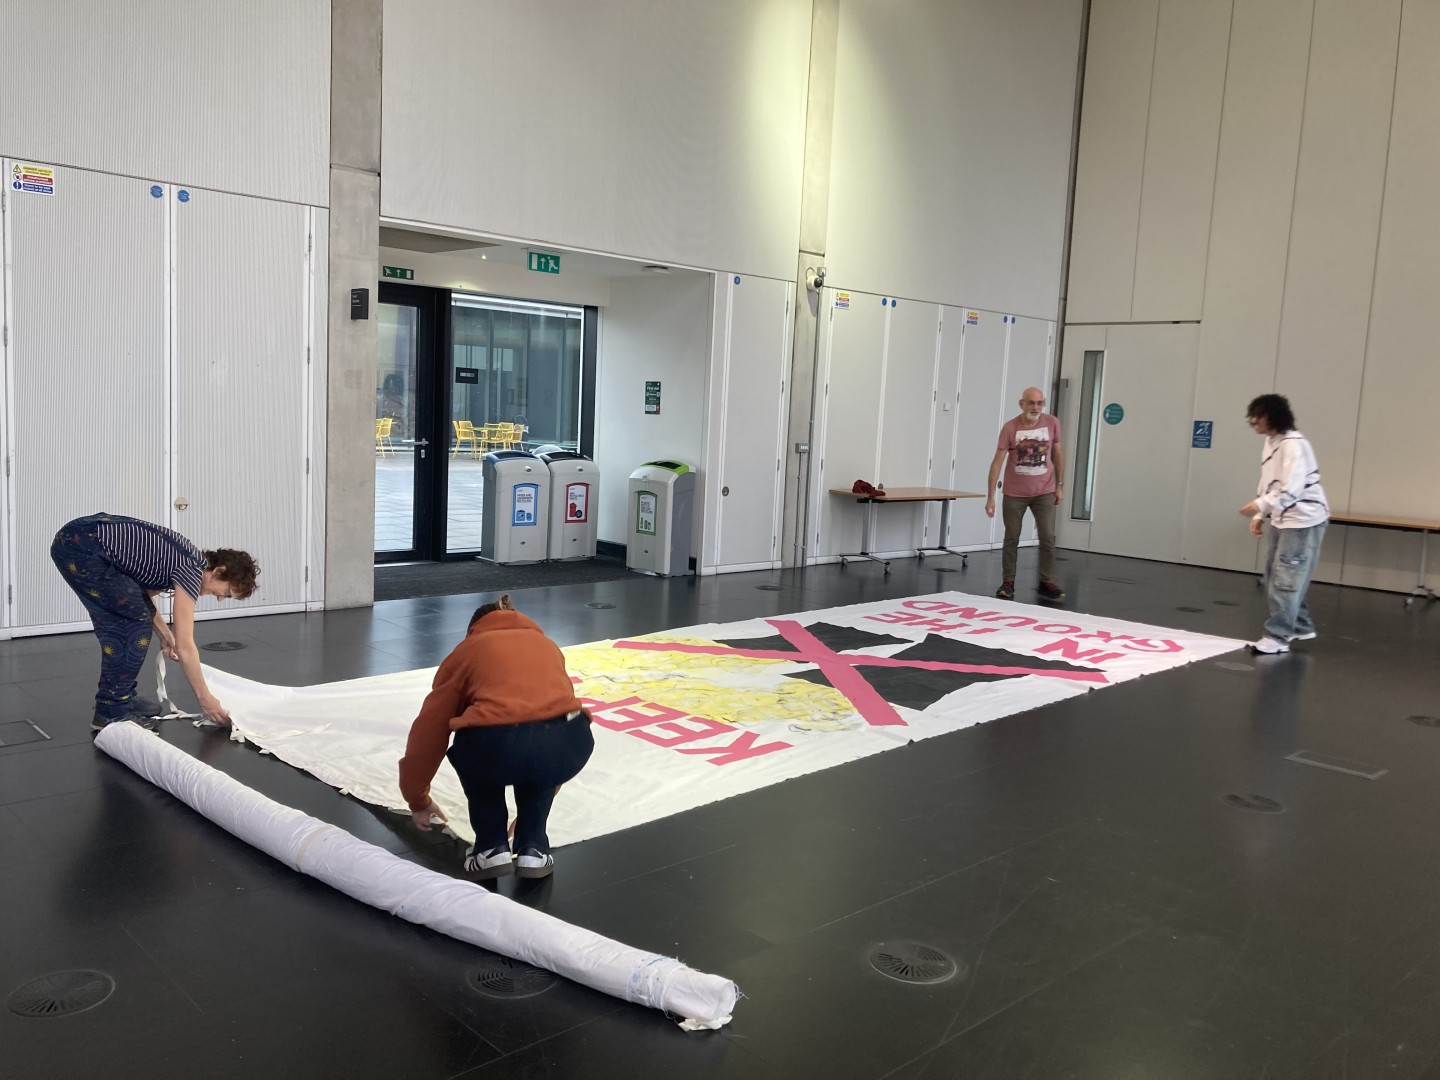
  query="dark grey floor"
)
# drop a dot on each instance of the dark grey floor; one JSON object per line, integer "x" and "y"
{"x": 1114, "y": 916}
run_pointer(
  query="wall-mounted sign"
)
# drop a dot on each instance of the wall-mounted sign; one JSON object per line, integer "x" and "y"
{"x": 543, "y": 262}
{"x": 1114, "y": 413}
{"x": 972, "y": 318}
{"x": 842, "y": 300}
{"x": 467, "y": 374}
{"x": 1200, "y": 437}
{"x": 399, "y": 273}
{"x": 36, "y": 179}
{"x": 652, "y": 398}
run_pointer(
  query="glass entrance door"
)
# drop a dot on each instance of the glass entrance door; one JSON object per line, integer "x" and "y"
{"x": 404, "y": 424}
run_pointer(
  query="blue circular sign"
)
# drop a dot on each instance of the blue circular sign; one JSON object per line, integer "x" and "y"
{"x": 156, "y": 191}
{"x": 737, "y": 279}
{"x": 184, "y": 195}
{"x": 1114, "y": 413}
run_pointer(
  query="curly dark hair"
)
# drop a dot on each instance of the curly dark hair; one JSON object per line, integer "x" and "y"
{"x": 238, "y": 569}
{"x": 503, "y": 604}
{"x": 1276, "y": 411}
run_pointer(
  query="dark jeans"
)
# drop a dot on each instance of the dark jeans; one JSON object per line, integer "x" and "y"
{"x": 120, "y": 610}
{"x": 534, "y": 759}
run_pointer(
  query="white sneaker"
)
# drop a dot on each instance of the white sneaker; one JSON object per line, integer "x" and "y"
{"x": 492, "y": 864}
{"x": 535, "y": 865}
{"x": 1311, "y": 636}
{"x": 1269, "y": 645}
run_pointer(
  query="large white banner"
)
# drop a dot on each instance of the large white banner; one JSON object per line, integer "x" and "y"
{"x": 691, "y": 716}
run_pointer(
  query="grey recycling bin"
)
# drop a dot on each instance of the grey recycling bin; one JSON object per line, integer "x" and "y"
{"x": 574, "y": 503}
{"x": 516, "y": 505}
{"x": 661, "y": 510}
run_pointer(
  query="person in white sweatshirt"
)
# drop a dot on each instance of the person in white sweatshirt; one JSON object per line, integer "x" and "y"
{"x": 1291, "y": 499}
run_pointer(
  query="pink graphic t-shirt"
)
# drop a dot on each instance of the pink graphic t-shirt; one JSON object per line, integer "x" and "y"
{"x": 1028, "y": 469}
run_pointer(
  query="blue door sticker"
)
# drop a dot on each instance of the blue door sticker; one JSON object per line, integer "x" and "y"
{"x": 1200, "y": 437}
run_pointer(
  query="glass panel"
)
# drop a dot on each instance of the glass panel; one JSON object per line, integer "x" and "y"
{"x": 1084, "y": 493}
{"x": 520, "y": 365}
{"x": 394, "y": 428}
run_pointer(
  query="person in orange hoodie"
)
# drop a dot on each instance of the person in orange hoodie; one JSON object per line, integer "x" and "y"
{"x": 507, "y": 699}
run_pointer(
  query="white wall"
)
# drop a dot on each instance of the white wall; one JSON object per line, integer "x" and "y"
{"x": 655, "y": 328}
{"x": 232, "y": 97}
{"x": 670, "y": 131}
{"x": 951, "y": 150}
{"x": 1266, "y": 167}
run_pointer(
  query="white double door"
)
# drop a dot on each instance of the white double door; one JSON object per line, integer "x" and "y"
{"x": 159, "y": 362}
{"x": 749, "y": 402}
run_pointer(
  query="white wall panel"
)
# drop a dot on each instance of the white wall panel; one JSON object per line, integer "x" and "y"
{"x": 88, "y": 370}
{"x": 1402, "y": 379}
{"x": 945, "y": 414}
{"x": 907, "y": 405}
{"x": 668, "y": 131}
{"x": 1245, "y": 276}
{"x": 655, "y": 328}
{"x": 980, "y": 411}
{"x": 1187, "y": 85}
{"x": 1336, "y": 226}
{"x": 847, "y": 405}
{"x": 1072, "y": 532}
{"x": 228, "y": 96}
{"x": 950, "y": 155}
{"x": 1142, "y": 461}
{"x": 1111, "y": 162}
{"x": 748, "y": 406}
{"x": 242, "y": 290}
{"x": 319, "y": 367}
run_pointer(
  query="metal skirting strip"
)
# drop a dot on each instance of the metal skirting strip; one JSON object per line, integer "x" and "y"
{"x": 1334, "y": 764}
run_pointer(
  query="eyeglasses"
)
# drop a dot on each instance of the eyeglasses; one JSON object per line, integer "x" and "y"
{"x": 1032, "y": 401}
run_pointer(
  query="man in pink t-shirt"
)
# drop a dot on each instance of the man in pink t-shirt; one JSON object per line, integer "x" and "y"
{"x": 1029, "y": 450}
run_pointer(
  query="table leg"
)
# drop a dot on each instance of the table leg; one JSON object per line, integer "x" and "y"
{"x": 1421, "y": 589}
{"x": 868, "y": 543}
{"x": 944, "y": 534}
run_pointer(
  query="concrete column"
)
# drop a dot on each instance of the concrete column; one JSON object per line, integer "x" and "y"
{"x": 355, "y": 33}
{"x": 814, "y": 219}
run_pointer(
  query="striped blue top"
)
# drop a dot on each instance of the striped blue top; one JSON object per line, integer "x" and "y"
{"x": 154, "y": 557}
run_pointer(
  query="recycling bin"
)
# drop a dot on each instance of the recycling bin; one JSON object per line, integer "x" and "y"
{"x": 662, "y": 513}
{"x": 574, "y": 503}
{"x": 513, "y": 524}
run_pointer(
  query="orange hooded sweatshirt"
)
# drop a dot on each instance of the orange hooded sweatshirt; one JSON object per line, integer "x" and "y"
{"x": 506, "y": 671}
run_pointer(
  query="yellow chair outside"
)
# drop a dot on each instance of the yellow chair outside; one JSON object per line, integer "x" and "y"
{"x": 383, "y": 445}
{"x": 465, "y": 432}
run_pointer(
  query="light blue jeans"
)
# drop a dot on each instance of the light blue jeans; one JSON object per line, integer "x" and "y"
{"x": 1288, "y": 570}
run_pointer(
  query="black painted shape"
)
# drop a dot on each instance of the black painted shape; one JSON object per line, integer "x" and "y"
{"x": 837, "y": 638}
{"x": 919, "y": 688}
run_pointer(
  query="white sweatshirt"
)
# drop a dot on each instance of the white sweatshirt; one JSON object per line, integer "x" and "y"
{"x": 1290, "y": 494}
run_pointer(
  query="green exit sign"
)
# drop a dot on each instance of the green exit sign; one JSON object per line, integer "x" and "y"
{"x": 543, "y": 262}
{"x": 400, "y": 273}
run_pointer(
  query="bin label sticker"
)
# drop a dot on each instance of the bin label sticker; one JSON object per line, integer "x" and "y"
{"x": 577, "y": 503}
{"x": 645, "y": 513}
{"x": 526, "y": 496}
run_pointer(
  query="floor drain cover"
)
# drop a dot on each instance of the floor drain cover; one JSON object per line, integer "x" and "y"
{"x": 503, "y": 977}
{"x": 601, "y": 607}
{"x": 1197, "y": 610}
{"x": 223, "y": 646}
{"x": 1233, "y": 665}
{"x": 1258, "y": 804}
{"x": 1227, "y": 603}
{"x": 770, "y": 588}
{"x": 64, "y": 993}
{"x": 911, "y": 962}
{"x": 15, "y": 732}
{"x": 1425, "y": 721}
{"x": 947, "y": 569}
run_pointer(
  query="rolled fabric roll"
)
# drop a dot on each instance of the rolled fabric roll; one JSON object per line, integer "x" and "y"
{"x": 460, "y": 909}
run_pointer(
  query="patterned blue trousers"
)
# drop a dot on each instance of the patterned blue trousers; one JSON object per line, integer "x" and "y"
{"x": 119, "y": 608}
